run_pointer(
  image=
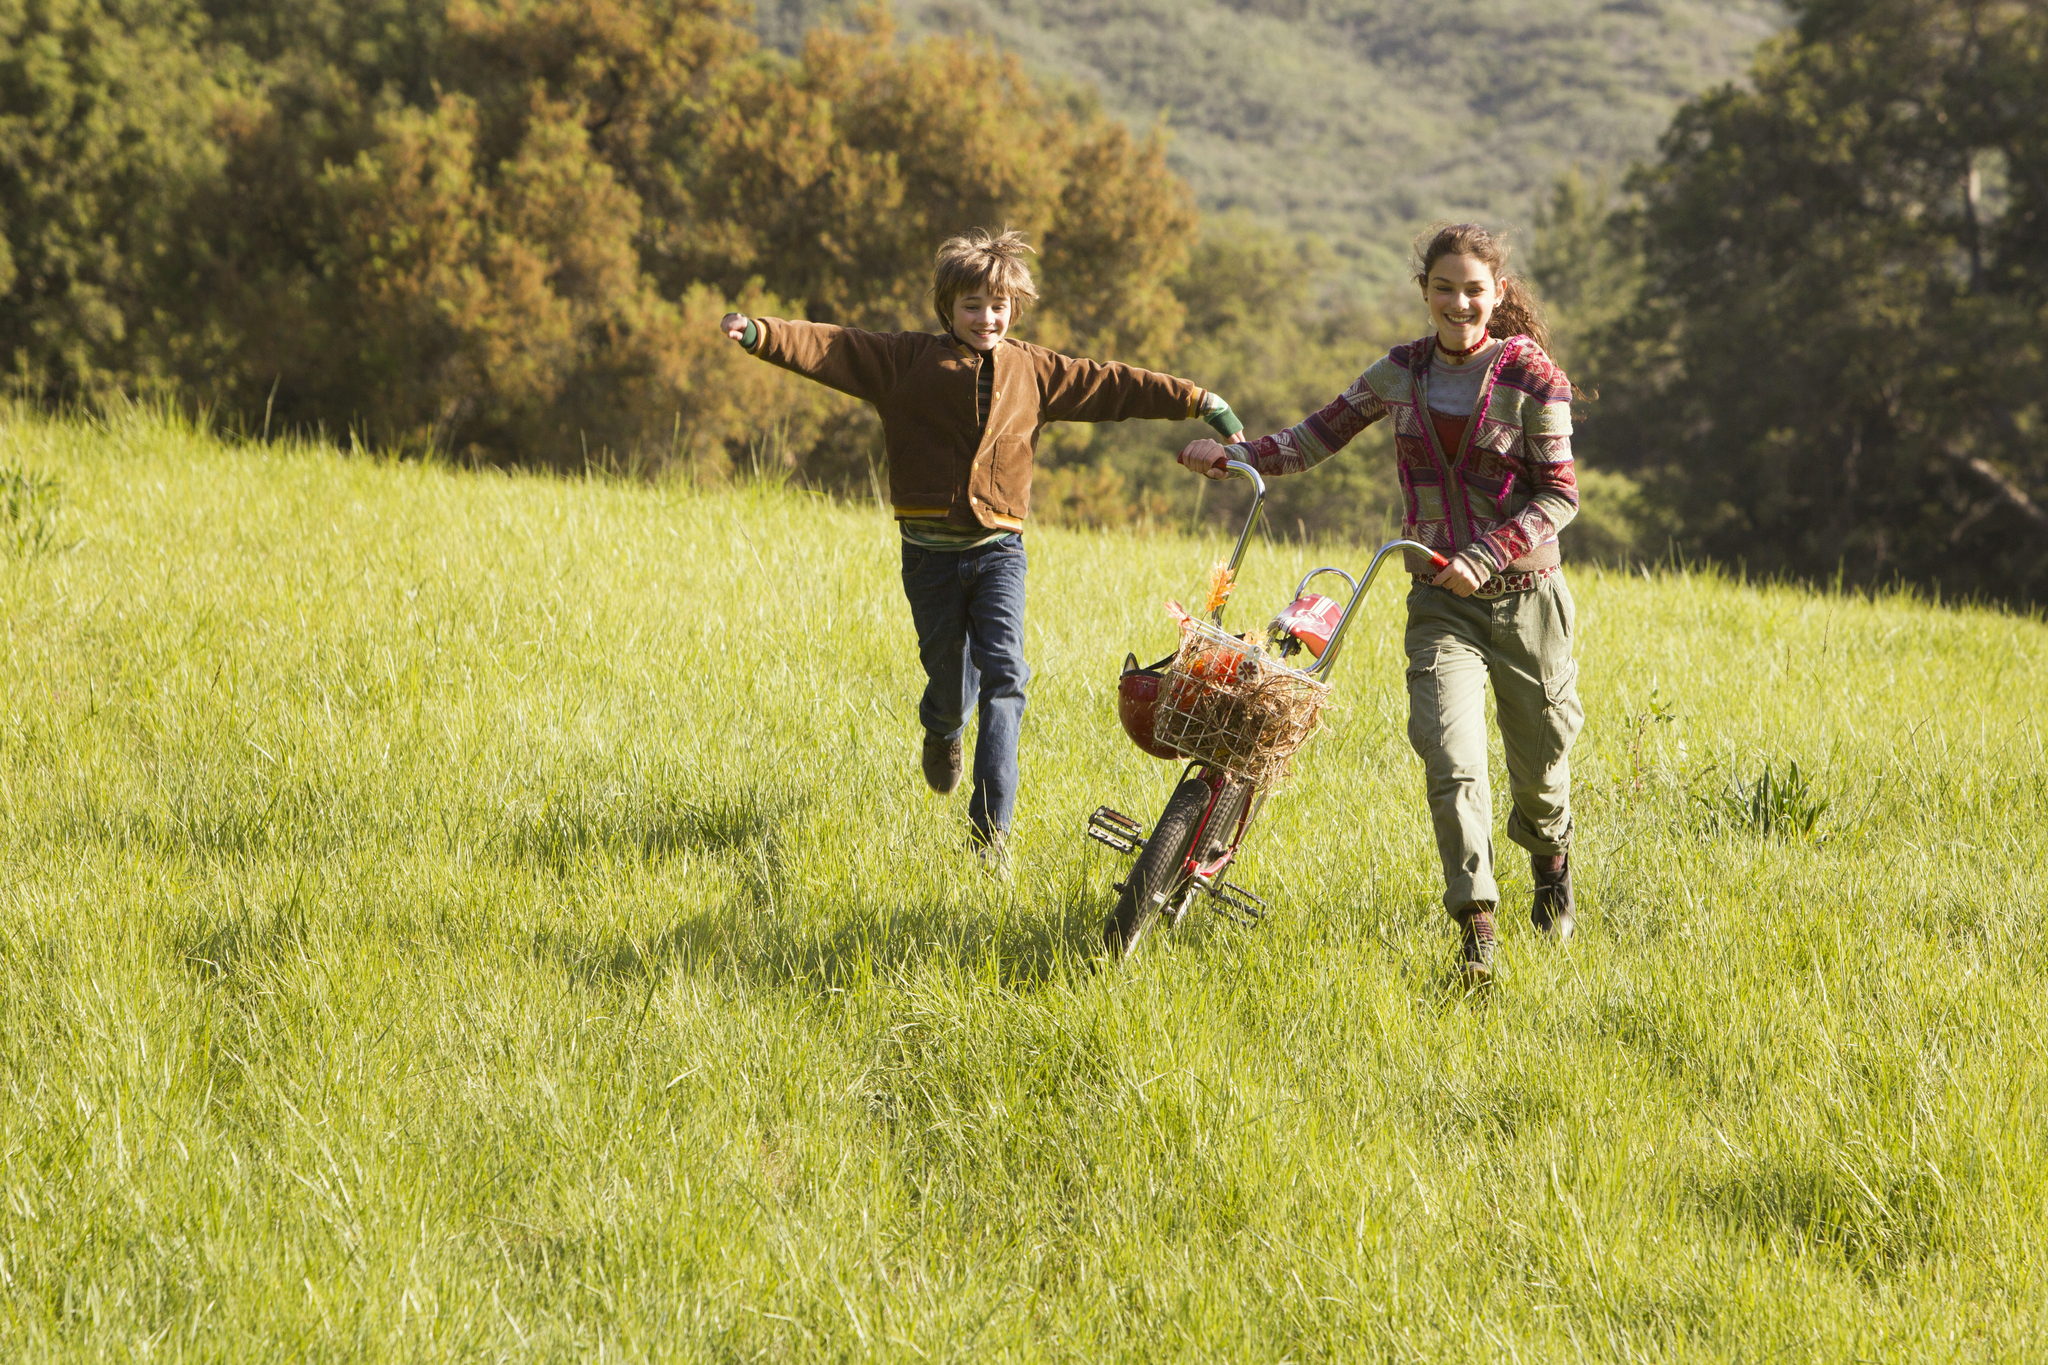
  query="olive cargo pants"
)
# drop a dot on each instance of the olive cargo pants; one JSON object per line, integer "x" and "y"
{"x": 1522, "y": 643}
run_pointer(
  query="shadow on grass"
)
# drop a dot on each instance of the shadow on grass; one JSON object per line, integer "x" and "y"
{"x": 1880, "y": 1220}
{"x": 296, "y": 819}
{"x": 563, "y": 831}
{"x": 304, "y": 820}
{"x": 1492, "y": 1114}
{"x": 1013, "y": 946}
{"x": 244, "y": 943}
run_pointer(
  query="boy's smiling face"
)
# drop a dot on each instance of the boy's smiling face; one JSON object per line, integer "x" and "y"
{"x": 981, "y": 320}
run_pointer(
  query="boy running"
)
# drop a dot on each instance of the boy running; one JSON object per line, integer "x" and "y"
{"x": 961, "y": 411}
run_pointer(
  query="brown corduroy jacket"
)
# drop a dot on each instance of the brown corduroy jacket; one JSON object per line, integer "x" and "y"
{"x": 922, "y": 384}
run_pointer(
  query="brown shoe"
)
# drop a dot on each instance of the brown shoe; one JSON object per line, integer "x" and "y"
{"x": 1551, "y": 910}
{"x": 1477, "y": 942}
{"x": 941, "y": 763}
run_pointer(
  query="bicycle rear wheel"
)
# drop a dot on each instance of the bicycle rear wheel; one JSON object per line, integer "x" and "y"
{"x": 1159, "y": 877}
{"x": 1221, "y": 831}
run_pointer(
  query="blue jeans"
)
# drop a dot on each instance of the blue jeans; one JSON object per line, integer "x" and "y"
{"x": 968, "y": 606}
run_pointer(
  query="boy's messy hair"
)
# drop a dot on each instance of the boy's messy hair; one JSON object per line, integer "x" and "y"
{"x": 980, "y": 262}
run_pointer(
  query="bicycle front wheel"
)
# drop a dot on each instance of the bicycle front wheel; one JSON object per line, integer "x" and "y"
{"x": 1159, "y": 877}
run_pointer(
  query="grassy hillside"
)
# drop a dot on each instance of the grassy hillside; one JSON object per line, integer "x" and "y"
{"x": 1360, "y": 120}
{"x": 452, "y": 916}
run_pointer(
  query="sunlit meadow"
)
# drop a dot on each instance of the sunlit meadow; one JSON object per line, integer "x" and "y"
{"x": 455, "y": 916}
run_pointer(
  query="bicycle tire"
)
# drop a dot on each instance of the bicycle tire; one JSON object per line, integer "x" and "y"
{"x": 1157, "y": 876}
{"x": 1223, "y": 820}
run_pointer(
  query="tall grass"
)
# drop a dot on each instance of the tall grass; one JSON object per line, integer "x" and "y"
{"x": 462, "y": 916}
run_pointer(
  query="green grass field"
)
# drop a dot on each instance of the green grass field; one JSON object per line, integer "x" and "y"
{"x": 456, "y": 917}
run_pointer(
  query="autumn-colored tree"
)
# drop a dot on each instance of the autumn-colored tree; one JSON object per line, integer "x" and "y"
{"x": 501, "y": 228}
{"x": 833, "y": 177}
{"x": 450, "y": 253}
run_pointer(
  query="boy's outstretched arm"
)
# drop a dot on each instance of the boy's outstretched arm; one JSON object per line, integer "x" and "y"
{"x": 864, "y": 365}
{"x": 1108, "y": 391}
{"x": 1220, "y": 418}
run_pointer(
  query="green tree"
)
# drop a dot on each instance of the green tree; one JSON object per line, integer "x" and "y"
{"x": 1589, "y": 281}
{"x": 1834, "y": 363}
{"x": 105, "y": 107}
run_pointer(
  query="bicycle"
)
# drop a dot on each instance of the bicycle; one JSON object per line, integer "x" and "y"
{"x": 1232, "y": 764}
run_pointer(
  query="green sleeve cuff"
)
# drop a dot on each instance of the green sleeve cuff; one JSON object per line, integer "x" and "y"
{"x": 752, "y": 336}
{"x": 1218, "y": 415}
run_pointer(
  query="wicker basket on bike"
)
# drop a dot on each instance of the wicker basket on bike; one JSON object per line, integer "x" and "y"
{"x": 1224, "y": 700}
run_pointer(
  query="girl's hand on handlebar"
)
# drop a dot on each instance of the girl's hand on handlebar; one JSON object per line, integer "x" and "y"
{"x": 734, "y": 325}
{"x": 1460, "y": 576}
{"x": 1206, "y": 457}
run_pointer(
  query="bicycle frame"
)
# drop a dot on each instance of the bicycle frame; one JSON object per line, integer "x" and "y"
{"x": 1219, "y": 784}
{"x": 1196, "y": 872}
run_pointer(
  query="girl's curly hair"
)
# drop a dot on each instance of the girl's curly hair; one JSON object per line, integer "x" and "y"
{"x": 1517, "y": 313}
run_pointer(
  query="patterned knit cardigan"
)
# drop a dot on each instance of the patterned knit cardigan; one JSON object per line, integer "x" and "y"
{"x": 1503, "y": 495}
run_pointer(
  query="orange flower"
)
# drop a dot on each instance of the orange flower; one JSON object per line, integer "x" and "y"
{"x": 1221, "y": 583}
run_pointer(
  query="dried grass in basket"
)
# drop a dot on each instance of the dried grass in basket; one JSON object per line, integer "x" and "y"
{"x": 1226, "y": 701}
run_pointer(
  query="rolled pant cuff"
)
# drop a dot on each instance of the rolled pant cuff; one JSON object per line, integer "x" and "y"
{"x": 1521, "y": 832}
{"x": 1466, "y": 890}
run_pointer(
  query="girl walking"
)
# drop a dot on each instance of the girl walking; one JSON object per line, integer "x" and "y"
{"x": 1482, "y": 435}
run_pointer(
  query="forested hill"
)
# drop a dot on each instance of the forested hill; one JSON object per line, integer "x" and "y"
{"x": 1359, "y": 119}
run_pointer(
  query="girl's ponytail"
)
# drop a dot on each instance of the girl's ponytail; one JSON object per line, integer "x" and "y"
{"x": 1517, "y": 313}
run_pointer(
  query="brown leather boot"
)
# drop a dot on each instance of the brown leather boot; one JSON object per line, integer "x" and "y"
{"x": 1551, "y": 910}
{"x": 1477, "y": 941}
{"x": 942, "y": 764}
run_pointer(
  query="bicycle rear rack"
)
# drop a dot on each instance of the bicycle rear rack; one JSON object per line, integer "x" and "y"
{"x": 1125, "y": 835}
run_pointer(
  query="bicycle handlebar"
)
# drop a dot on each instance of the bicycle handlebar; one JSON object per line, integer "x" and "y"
{"x": 1250, "y": 472}
{"x": 1251, "y": 519}
{"x": 1323, "y": 665}
{"x": 1358, "y": 588}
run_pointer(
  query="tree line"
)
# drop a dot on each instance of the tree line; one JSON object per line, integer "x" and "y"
{"x": 500, "y": 230}
{"x": 1819, "y": 323}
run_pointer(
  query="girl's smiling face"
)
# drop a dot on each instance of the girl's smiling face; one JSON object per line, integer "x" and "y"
{"x": 1462, "y": 294}
{"x": 980, "y": 320}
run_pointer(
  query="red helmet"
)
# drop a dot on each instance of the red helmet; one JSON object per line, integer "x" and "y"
{"x": 1137, "y": 695}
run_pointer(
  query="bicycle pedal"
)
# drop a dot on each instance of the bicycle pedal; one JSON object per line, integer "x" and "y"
{"x": 1116, "y": 830}
{"x": 1236, "y": 902}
